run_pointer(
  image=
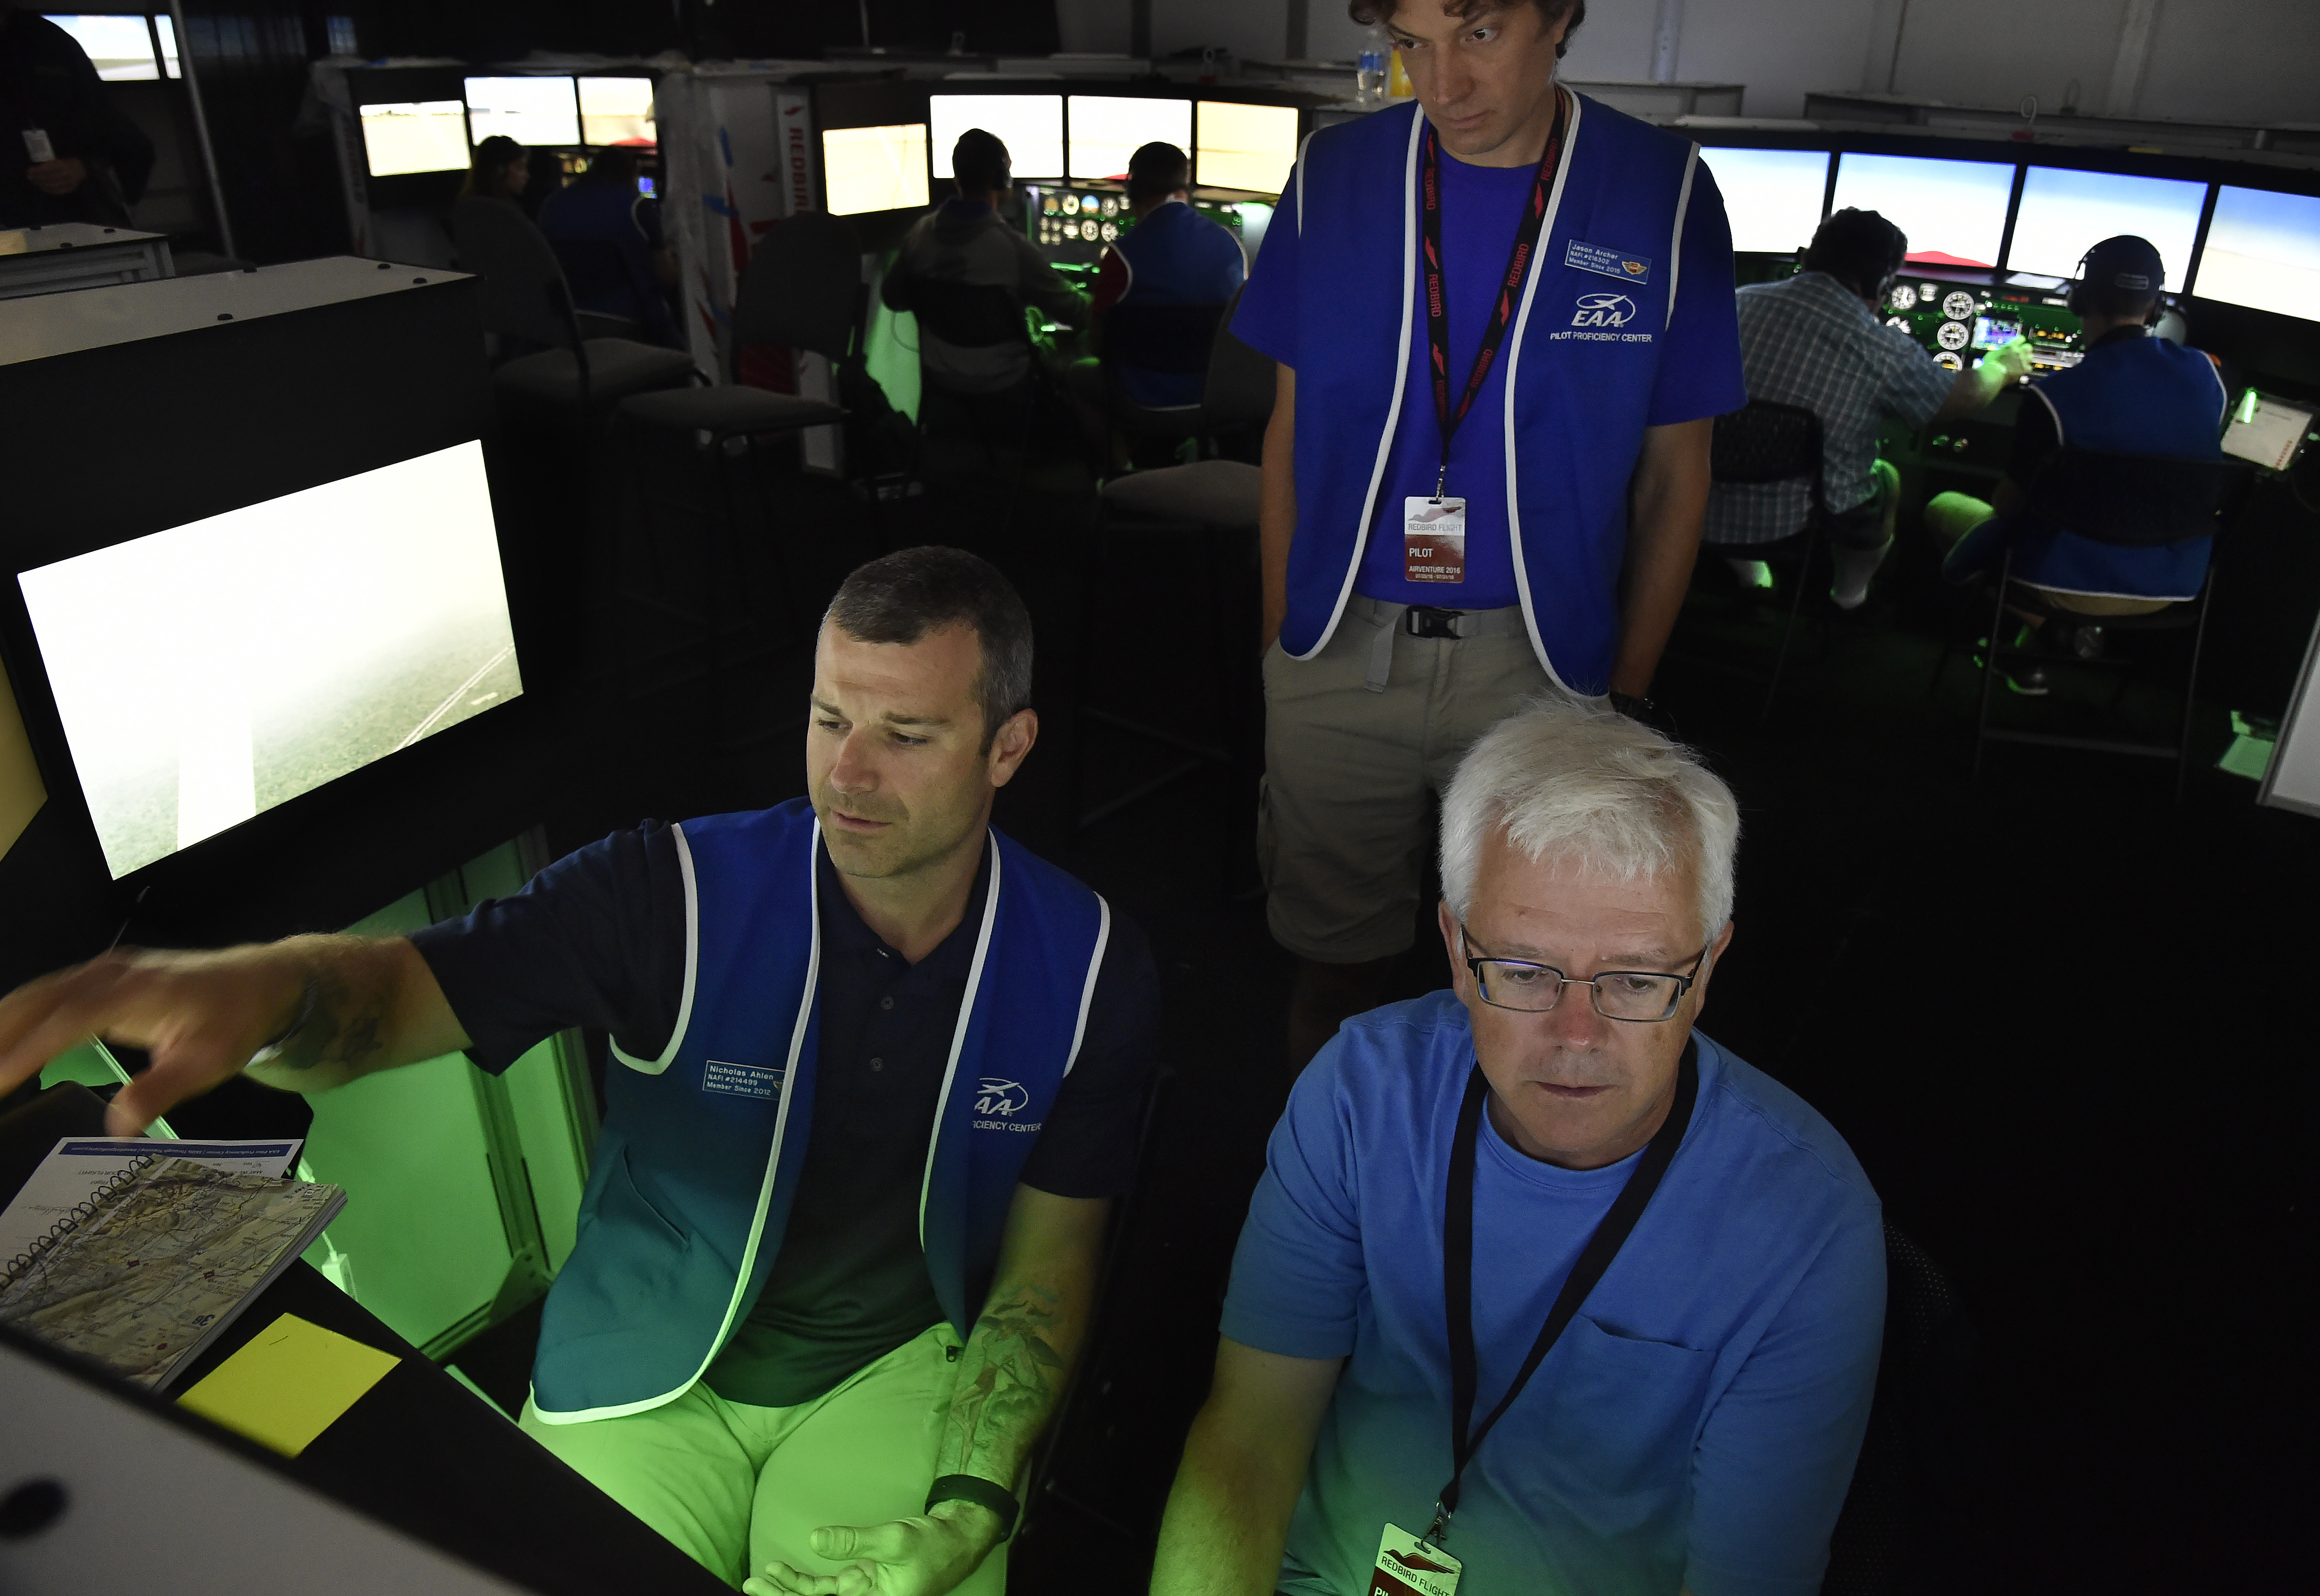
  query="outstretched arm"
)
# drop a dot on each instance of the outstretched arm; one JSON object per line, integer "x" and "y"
{"x": 340, "y": 1006}
{"x": 1011, "y": 1375}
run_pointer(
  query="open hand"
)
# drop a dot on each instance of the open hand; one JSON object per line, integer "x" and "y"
{"x": 2013, "y": 357}
{"x": 58, "y": 176}
{"x": 923, "y": 1556}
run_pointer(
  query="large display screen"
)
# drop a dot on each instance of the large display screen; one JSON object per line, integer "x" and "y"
{"x": 1246, "y": 147}
{"x": 875, "y": 168}
{"x": 208, "y": 673}
{"x": 415, "y": 136}
{"x": 1953, "y": 211}
{"x": 2263, "y": 251}
{"x": 2064, "y": 214}
{"x": 1772, "y": 196}
{"x": 1031, "y": 126}
{"x": 532, "y": 110}
{"x": 616, "y": 111}
{"x": 118, "y": 46}
{"x": 1106, "y": 129}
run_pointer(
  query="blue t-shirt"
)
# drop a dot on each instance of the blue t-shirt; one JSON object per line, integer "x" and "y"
{"x": 1696, "y": 1424}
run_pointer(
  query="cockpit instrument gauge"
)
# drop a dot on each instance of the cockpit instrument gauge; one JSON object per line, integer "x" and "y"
{"x": 1953, "y": 335}
{"x": 1903, "y": 297}
{"x": 1958, "y": 305}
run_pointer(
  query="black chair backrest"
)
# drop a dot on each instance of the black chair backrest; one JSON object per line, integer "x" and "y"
{"x": 968, "y": 316}
{"x": 803, "y": 287}
{"x": 2132, "y": 501}
{"x": 1764, "y": 442}
{"x": 1171, "y": 337}
{"x": 593, "y": 268}
{"x": 1241, "y": 383}
{"x": 524, "y": 293}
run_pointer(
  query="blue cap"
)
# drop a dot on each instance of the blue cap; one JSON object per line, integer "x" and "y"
{"x": 2127, "y": 263}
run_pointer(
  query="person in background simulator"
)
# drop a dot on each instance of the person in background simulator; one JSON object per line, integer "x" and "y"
{"x": 603, "y": 205}
{"x": 1173, "y": 255}
{"x": 2133, "y": 392}
{"x": 502, "y": 170}
{"x": 1819, "y": 340}
{"x": 71, "y": 155}
{"x": 1504, "y": 323}
{"x": 876, "y": 1075}
{"x": 1442, "y": 1176}
{"x": 966, "y": 240}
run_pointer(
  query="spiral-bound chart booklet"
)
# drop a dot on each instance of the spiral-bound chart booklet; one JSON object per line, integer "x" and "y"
{"x": 137, "y": 1255}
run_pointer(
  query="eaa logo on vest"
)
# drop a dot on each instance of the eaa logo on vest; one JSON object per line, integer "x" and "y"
{"x": 997, "y": 1101}
{"x": 1603, "y": 310}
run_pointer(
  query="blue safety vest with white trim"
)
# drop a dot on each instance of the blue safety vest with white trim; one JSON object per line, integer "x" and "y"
{"x": 2137, "y": 397}
{"x": 701, "y": 1148}
{"x": 1582, "y": 357}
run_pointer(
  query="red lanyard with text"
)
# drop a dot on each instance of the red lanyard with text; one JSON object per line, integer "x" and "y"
{"x": 1458, "y": 1266}
{"x": 1437, "y": 307}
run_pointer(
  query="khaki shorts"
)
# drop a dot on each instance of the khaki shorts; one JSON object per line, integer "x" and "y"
{"x": 1345, "y": 816}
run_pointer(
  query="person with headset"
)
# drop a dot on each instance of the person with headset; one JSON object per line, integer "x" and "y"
{"x": 1819, "y": 340}
{"x": 2133, "y": 392}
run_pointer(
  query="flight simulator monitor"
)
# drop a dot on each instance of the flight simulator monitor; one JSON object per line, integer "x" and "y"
{"x": 415, "y": 136}
{"x": 209, "y": 672}
{"x": 1953, "y": 211}
{"x": 1250, "y": 147}
{"x": 2263, "y": 253}
{"x": 532, "y": 110}
{"x": 2064, "y": 214}
{"x": 875, "y": 168}
{"x": 1107, "y": 128}
{"x": 616, "y": 111}
{"x": 1031, "y": 126}
{"x": 1772, "y": 196}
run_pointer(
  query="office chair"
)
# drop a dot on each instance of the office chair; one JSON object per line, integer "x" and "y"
{"x": 596, "y": 269}
{"x": 1175, "y": 338}
{"x": 1763, "y": 441}
{"x": 1206, "y": 514}
{"x": 2128, "y": 501}
{"x": 525, "y": 296}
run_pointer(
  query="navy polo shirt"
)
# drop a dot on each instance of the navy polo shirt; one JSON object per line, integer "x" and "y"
{"x": 598, "y": 940}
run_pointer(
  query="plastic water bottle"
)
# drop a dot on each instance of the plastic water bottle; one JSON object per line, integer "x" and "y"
{"x": 1370, "y": 80}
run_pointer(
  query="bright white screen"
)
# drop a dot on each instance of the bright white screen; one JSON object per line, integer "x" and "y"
{"x": 1246, "y": 147}
{"x": 532, "y": 110}
{"x": 210, "y": 672}
{"x": 1107, "y": 130}
{"x": 118, "y": 46}
{"x": 616, "y": 111}
{"x": 2263, "y": 251}
{"x": 428, "y": 136}
{"x": 2065, "y": 214}
{"x": 1031, "y": 126}
{"x": 1771, "y": 196}
{"x": 875, "y": 168}
{"x": 1953, "y": 211}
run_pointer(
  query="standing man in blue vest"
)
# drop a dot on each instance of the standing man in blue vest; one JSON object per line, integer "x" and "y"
{"x": 2133, "y": 392}
{"x": 1173, "y": 255}
{"x": 877, "y": 1072}
{"x": 1504, "y": 323}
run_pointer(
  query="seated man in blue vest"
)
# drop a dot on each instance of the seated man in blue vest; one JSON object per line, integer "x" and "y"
{"x": 1539, "y": 1280}
{"x": 877, "y": 1072}
{"x": 1173, "y": 255}
{"x": 2133, "y": 392}
{"x": 603, "y": 206}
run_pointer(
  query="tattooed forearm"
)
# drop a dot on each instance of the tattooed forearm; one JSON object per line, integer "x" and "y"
{"x": 1009, "y": 1377}
{"x": 339, "y": 1023}
{"x": 355, "y": 1013}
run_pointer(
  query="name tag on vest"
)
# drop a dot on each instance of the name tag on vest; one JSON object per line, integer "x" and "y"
{"x": 1610, "y": 263}
{"x": 760, "y": 1081}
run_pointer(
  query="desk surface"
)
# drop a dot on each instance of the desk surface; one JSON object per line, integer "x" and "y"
{"x": 418, "y": 1451}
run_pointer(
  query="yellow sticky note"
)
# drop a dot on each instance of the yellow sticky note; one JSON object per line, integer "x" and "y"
{"x": 288, "y": 1385}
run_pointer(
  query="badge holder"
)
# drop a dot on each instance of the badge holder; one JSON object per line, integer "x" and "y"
{"x": 1410, "y": 1566}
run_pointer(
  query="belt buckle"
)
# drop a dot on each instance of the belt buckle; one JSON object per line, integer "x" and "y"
{"x": 1424, "y": 621}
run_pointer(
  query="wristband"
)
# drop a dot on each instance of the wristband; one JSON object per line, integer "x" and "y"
{"x": 982, "y": 1492}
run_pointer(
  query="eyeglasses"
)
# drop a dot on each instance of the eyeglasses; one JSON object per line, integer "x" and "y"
{"x": 1638, "y": 996}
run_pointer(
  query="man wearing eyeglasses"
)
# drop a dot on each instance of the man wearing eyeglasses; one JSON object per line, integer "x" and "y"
{"x": 1543, "y": 1290}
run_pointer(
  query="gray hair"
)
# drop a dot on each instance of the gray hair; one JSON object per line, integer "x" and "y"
{"x": 1577, "y": 779}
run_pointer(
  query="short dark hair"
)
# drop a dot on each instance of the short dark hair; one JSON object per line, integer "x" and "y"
{"x": 1157, "y": 170}
{"x": 1859, "y": 249}
{"x": 1371, "y": 13}
{"x": 498, "y": 150}
{"x": 981, "y": 163}
{"x": 901, "y": 597}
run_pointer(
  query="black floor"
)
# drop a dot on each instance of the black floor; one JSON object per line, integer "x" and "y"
{"x": 2057, "y": 1015}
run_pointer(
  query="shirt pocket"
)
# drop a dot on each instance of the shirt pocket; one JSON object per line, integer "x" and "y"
{"x": 1627, "y": 1409}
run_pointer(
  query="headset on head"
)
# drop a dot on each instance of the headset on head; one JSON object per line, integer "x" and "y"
{"x": 2076, "y": 302}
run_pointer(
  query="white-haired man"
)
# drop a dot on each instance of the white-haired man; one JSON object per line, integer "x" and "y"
{"x": 1539, "y": 1280}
